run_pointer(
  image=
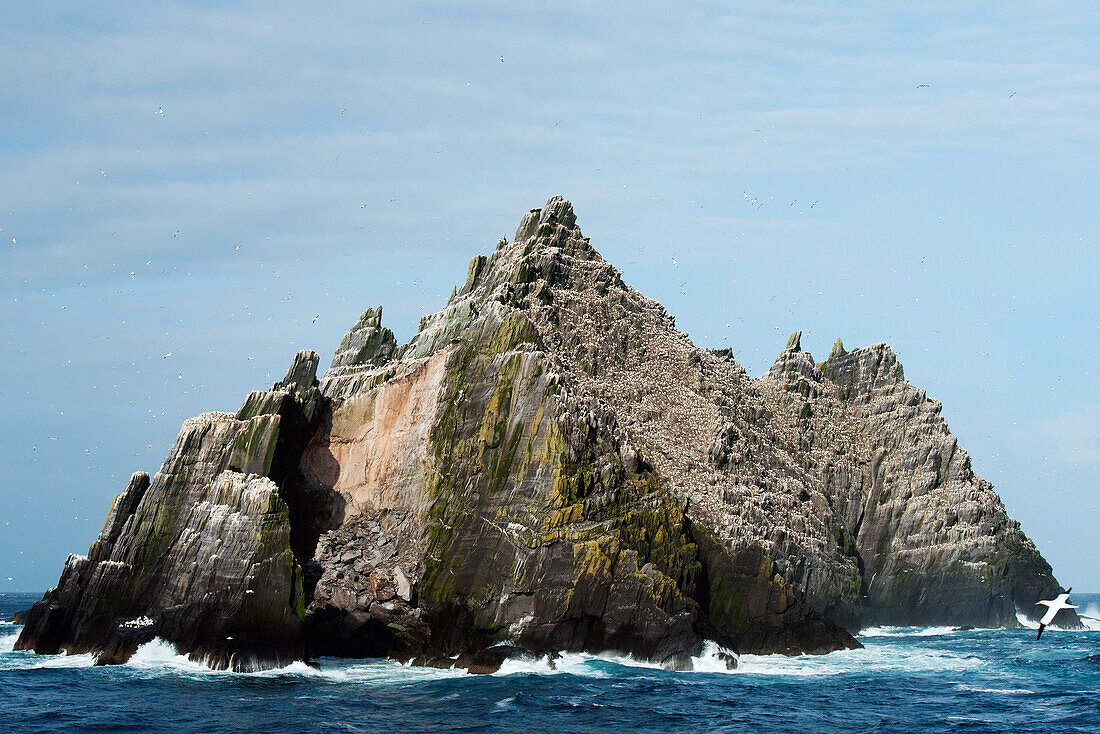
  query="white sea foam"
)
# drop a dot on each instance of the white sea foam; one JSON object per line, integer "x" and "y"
{"x": 597, "y": 665}
{"x": 85, "y": 660}
{"x": 708, "y": 660}
{"x": 1092, "y": 618}
{"x": 877, "y": 656}
{"x": 8, "y": 637}
{"x": 1031, "y": 624}
{"x": 1004, "y": 691}
{"x": 574, "y": 663}
{"x": 159, "y": 655}
{"x": 1025, "y": 622}
{"x": 906, "y": 631}
{"x": 882, "y": 654}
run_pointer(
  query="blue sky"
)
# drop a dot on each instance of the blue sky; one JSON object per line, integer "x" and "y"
{"x": 925, "y": 176}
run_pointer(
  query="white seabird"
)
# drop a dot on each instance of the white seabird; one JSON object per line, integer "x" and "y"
{"x": 1059, "y": 603}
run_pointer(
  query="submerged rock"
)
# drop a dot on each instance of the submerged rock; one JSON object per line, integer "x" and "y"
{"x": 547, "y": 465}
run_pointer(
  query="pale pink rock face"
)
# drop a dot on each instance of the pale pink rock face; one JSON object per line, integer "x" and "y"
{"x": 375, "y": 453}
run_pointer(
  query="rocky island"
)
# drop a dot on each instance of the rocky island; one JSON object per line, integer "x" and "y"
{"x": 548, "y": 465}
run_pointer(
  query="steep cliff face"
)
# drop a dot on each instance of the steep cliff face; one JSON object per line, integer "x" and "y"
{"x": 199, "y": 555}
{"x": 549, "y": 464}
{"x": 934, "y": 542}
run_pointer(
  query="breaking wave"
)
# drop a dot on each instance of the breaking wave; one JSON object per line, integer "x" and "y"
{"x": 159, "y": 657}
{"x": 887, "y": 650}
{"x": 8, "y": 636}
{"x": 906, "y": 631}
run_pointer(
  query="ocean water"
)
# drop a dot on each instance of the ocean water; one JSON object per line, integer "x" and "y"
{"x": 907, "y": 679}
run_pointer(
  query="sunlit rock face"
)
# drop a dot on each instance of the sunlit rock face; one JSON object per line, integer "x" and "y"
{"x": 549, "y": 464}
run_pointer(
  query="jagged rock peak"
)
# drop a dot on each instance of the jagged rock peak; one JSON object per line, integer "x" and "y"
{"x": 557, "y": 211}
{"x": 303, "y": 371}
{"x": 864, "y": 369}
{"x": 368, "y": 342}
{"x": 792, "y": 360}
{"x": 549, "y": 251}
{"x": 838, "y": 350}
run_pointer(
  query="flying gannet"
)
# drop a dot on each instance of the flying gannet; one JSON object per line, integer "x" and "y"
{"x": 1053, "y": 607}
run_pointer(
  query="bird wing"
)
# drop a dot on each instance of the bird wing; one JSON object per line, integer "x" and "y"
{"x": 1049, "y": 616}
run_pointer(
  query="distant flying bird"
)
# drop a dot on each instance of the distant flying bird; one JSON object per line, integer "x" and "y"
{"x": 167, "y": 355}
{"x": 502, "y": 58}
{"x": 176, "y": 233}
{"x": 1053, "y": 607}
{"x": 315, "y": 318}
{"x": 160, "y": 111}
{"x": 1012, "y": 95}
{"x": 923, "y": 85}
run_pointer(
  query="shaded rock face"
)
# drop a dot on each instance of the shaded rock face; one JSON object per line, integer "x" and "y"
{"x": 547, "y": 465}
{"x": 200, "y": 554}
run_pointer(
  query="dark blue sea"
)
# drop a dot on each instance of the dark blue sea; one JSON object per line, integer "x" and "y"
{"x": 907, "y": 679}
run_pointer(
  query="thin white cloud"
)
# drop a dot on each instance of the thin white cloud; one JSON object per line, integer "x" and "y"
{"x": 1075, "y": 435}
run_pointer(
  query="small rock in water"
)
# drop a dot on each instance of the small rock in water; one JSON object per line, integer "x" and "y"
{"x": 728, "y": 658}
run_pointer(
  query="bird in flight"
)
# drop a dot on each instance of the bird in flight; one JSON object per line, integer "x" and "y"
{"x": 502, "y": 58}
{"x": 919, "y": 86}
{"x": 160, "y": 111}
{"x": 1059, "y": 603}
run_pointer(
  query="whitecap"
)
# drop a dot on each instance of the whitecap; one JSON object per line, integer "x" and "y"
{"x": 1005, "y": 691}
{"x": 1092, "y": 620}
{"x": 1025, "y": 622}
{"x": 708, "y": 660}
{"x": 84, "y": 660}
{"x": 1031, "y": 624}
{"x": 161, "y": 655}
{"x": 504, "y": 704}
{"x": 877, "y": 657}
{"x": 574, "y": 663}
{"x": 906, "y": 631}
